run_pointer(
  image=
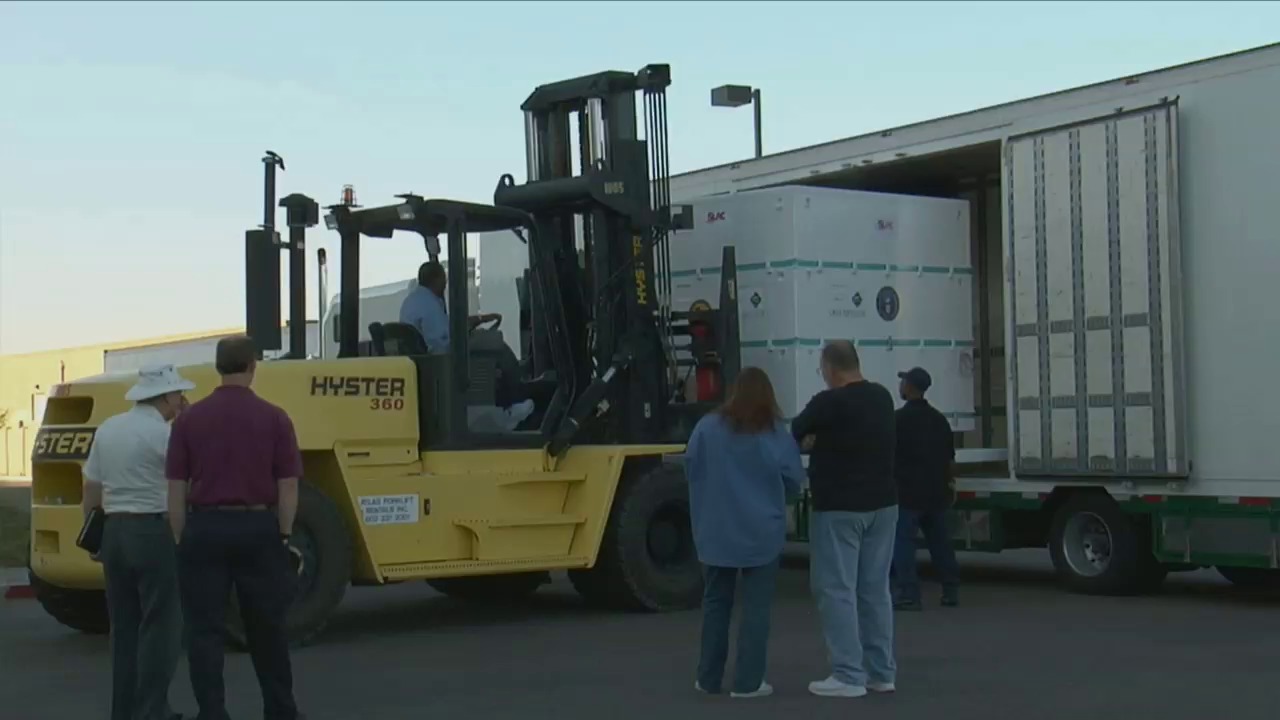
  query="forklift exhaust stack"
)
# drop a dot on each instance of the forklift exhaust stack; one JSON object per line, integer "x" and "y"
{"x": 262, "y": 267}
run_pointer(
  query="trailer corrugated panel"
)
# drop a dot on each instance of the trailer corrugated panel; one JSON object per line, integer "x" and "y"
{"x": 1095, "y": 289}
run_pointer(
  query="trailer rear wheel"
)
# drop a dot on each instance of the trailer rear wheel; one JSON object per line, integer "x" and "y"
{"x": 1099, "y": 550}
{"x": 322, "y": 546}
{"x": 1251, "y": 578}
{"x": 82, "y": 610}
{"x": 647, "y": 560}
{"x": 491, "y": 588}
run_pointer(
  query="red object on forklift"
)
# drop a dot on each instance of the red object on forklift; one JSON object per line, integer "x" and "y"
{"x": 706, "y": 376}
{"x": 708, "y": 383}
{"x": 348, "y": 196}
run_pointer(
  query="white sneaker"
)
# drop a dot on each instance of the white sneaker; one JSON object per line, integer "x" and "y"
{"x": 831, "y": 687}
{"x": 765, "y": 690}
{"x": 881, "y": 687}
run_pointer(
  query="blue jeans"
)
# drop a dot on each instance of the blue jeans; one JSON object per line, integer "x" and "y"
{"x": 937, "y": 535}
{"x": 753, "y": 627}
{"x": 850, "y": 556}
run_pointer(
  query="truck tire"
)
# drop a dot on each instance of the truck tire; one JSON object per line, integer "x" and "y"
{"x": 1250, "y": 578}
{"x": 647, "y": 560}
{"x": 82, "y": 610}
{"x": 1099, "y": 550}
{"x": 324, "y": 542}
{"x": 510, "y": 587}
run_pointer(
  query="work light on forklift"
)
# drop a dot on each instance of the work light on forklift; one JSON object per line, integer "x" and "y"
{"x": 330, "y": 221}
{"x": 405, "y": 212}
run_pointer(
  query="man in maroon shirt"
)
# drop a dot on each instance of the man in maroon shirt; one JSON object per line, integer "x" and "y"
{"x": 233, "y": 463}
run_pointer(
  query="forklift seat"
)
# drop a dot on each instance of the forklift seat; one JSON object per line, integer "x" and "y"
{"x": 396, "y": 338}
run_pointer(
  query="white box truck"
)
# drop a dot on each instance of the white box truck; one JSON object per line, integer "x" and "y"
{"x": 1124, "y": 313}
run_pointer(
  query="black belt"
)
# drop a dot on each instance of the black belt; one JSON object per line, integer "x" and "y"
{"x": 136, "y": 514}
{"x": 231, "y": 508}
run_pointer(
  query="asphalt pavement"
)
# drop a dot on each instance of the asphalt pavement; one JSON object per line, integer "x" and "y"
{"x": 1018, "y": 647}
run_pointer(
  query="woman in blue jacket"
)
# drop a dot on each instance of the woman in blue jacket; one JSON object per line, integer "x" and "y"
{"x": 742, "y": 465}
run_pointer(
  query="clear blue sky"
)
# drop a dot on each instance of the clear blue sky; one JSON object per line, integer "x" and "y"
{"x": 130, "y": 133}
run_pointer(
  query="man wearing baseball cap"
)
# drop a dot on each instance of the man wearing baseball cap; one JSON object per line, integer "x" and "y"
{"x": 124, "y": 476}
{"x": 924, "y": 467}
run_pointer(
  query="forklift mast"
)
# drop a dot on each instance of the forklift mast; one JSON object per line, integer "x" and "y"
{"x": 605, "y": 320}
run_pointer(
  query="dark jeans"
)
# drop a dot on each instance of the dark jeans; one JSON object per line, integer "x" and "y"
{"x": 753, "y": 626}
{"x": 221, "y": 548}
{"x": 937, "y": 535}
{"x": 143, "y": 603}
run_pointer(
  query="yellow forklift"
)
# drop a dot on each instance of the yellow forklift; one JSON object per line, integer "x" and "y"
{"x": 401, "y": 483}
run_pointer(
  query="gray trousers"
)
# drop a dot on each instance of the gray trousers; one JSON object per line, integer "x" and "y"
{"x": 139, "y": 559}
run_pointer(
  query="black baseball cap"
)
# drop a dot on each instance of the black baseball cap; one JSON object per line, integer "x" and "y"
{"x": 918, "y": 377}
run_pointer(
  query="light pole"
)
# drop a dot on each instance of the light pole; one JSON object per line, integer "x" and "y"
{"x": 733, "y": 96}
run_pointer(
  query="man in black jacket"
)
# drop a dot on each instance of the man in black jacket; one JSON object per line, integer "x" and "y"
{"x": 924, "y": 466}
{"x": 848, "y": 429}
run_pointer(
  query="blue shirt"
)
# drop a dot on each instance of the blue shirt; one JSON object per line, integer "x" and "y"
{"x": 738, "y": 490}
{"x": 425, "y": 310}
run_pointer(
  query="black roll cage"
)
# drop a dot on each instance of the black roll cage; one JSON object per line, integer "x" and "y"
{"x": 429, "y": 219}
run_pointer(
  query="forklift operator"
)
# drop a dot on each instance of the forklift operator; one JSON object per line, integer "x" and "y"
{"x": 424, "y": 308}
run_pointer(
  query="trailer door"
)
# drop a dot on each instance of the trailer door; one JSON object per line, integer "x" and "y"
{"x": 1092, "y": 260}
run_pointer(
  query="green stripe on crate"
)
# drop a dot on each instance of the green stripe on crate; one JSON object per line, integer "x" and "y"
{"x": 835, "y": 265}
{"x": 864, "y": 342}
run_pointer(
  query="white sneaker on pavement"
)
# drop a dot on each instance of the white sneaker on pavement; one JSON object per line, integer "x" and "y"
{"x": 881, "y": 687}
{"x": 831, "y": 687}
{"x": 764, "y": 690}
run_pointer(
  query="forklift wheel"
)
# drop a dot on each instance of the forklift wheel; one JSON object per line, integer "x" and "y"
{"x": 321, "y": 540}
{"x": 647, "y": 561}
{"x": 83, "y": 610}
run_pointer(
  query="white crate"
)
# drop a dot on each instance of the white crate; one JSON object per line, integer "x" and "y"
{"x": 890, "y": 272}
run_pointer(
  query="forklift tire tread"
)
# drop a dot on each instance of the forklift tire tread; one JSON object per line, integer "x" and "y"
{"x": 625, "y": 576}
{"x": 81, "y": 610}
{"x": 319, "y": 519}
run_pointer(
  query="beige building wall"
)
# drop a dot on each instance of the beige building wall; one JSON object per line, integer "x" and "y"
{"x": 25, "y": 380}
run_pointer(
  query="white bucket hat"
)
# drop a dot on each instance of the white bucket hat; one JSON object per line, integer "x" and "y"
{"x": 157, "y": 380}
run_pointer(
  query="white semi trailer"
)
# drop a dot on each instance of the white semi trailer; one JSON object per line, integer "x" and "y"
{"x": 1125, "y": 313}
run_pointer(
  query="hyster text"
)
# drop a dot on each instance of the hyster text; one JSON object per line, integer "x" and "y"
{"x": 340, "y": 386}
{"x": 63, "y": 444}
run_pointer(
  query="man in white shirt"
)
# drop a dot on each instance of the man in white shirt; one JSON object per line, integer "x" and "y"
{"x": 124, "y": 475}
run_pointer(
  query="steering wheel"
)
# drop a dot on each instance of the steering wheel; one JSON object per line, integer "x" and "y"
{"x": 497, "y": 323}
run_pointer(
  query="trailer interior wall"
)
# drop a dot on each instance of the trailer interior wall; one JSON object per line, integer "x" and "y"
{"x": 1227, "y": 112}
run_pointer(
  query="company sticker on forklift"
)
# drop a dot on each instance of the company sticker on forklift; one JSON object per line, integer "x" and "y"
{"x": 389, "y": 509}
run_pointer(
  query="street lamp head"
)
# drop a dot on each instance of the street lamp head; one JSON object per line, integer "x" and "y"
{"x": 731, "y": 96}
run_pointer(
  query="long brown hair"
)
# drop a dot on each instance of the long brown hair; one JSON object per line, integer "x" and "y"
{"x": 752, "y": 406}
